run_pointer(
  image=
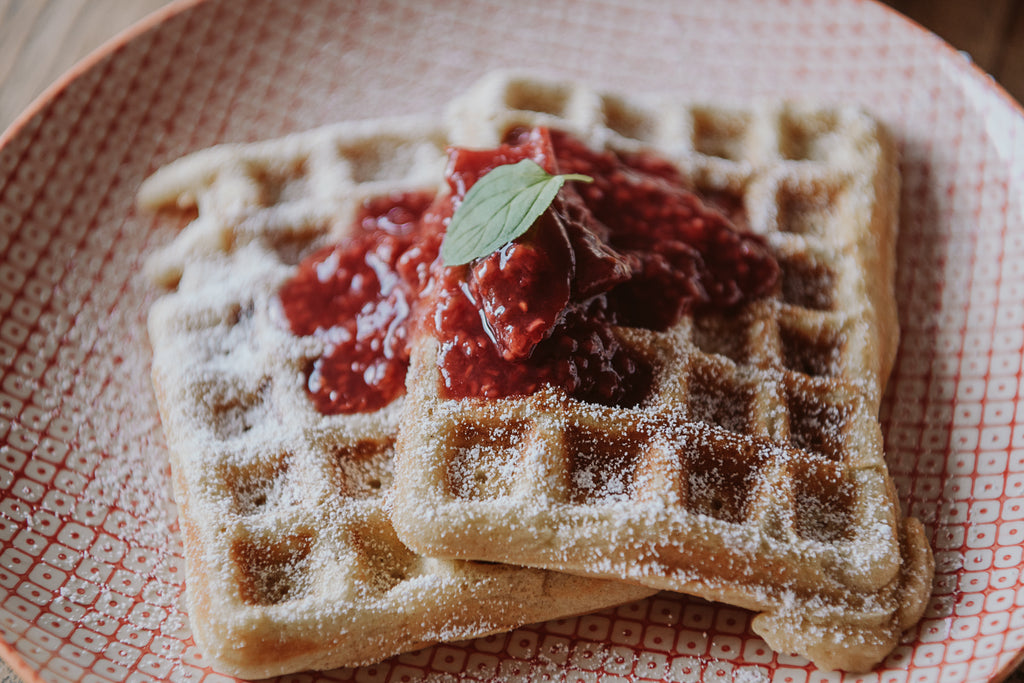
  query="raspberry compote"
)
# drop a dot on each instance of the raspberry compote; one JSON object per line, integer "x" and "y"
{"x": 359, "y": 296}
{"x": 635, "y": 247}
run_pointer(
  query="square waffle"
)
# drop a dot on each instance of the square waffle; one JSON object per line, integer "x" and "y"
{"x": 753, "y": 471}
{"x": 292, "y": 562}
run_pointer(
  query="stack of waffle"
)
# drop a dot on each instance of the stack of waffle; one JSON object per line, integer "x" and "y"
{"x": 752, "y": 472}
{"x": 291, "y": 560}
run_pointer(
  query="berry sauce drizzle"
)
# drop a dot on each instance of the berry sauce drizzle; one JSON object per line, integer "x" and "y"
{"x": 636, "y": 247}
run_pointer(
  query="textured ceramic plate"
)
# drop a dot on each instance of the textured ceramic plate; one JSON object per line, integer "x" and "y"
{"x": 90, "y": 561}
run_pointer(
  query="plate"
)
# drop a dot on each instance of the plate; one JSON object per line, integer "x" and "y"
{"x": 90, "y": 559}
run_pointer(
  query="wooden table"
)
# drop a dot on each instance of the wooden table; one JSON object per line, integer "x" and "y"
{"x": 41, "y": 39}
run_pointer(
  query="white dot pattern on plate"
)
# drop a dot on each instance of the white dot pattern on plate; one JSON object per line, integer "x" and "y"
{"x": 90, "y": 561}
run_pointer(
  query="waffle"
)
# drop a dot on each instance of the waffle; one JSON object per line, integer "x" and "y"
{"x": 292, "y": 562}
{"x": 753, "y": 471}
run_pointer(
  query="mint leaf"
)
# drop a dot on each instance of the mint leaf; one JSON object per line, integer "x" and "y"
{"x": 500, "y": 207}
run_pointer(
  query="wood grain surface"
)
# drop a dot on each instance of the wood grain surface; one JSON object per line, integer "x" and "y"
{"x": 990, "y": 31}
{"x": 41, "y": 39}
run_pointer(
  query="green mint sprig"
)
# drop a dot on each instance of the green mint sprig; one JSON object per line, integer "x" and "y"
{"x": 500, "y": 207}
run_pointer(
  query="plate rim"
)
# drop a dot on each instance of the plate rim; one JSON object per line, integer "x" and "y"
{"x": 89, "y": 61}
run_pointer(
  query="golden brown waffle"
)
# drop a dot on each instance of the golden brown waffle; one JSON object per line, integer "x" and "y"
{"x": 753, "y": 473}
{"x": 292, "y": 562}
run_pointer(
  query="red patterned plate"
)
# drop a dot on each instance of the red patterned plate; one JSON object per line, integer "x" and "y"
{"x": 90, "y": 561}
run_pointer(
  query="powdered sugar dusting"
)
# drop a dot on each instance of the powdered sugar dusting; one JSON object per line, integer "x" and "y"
{"x": 293, "y": 563}
{"x": 753, "y": 471}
